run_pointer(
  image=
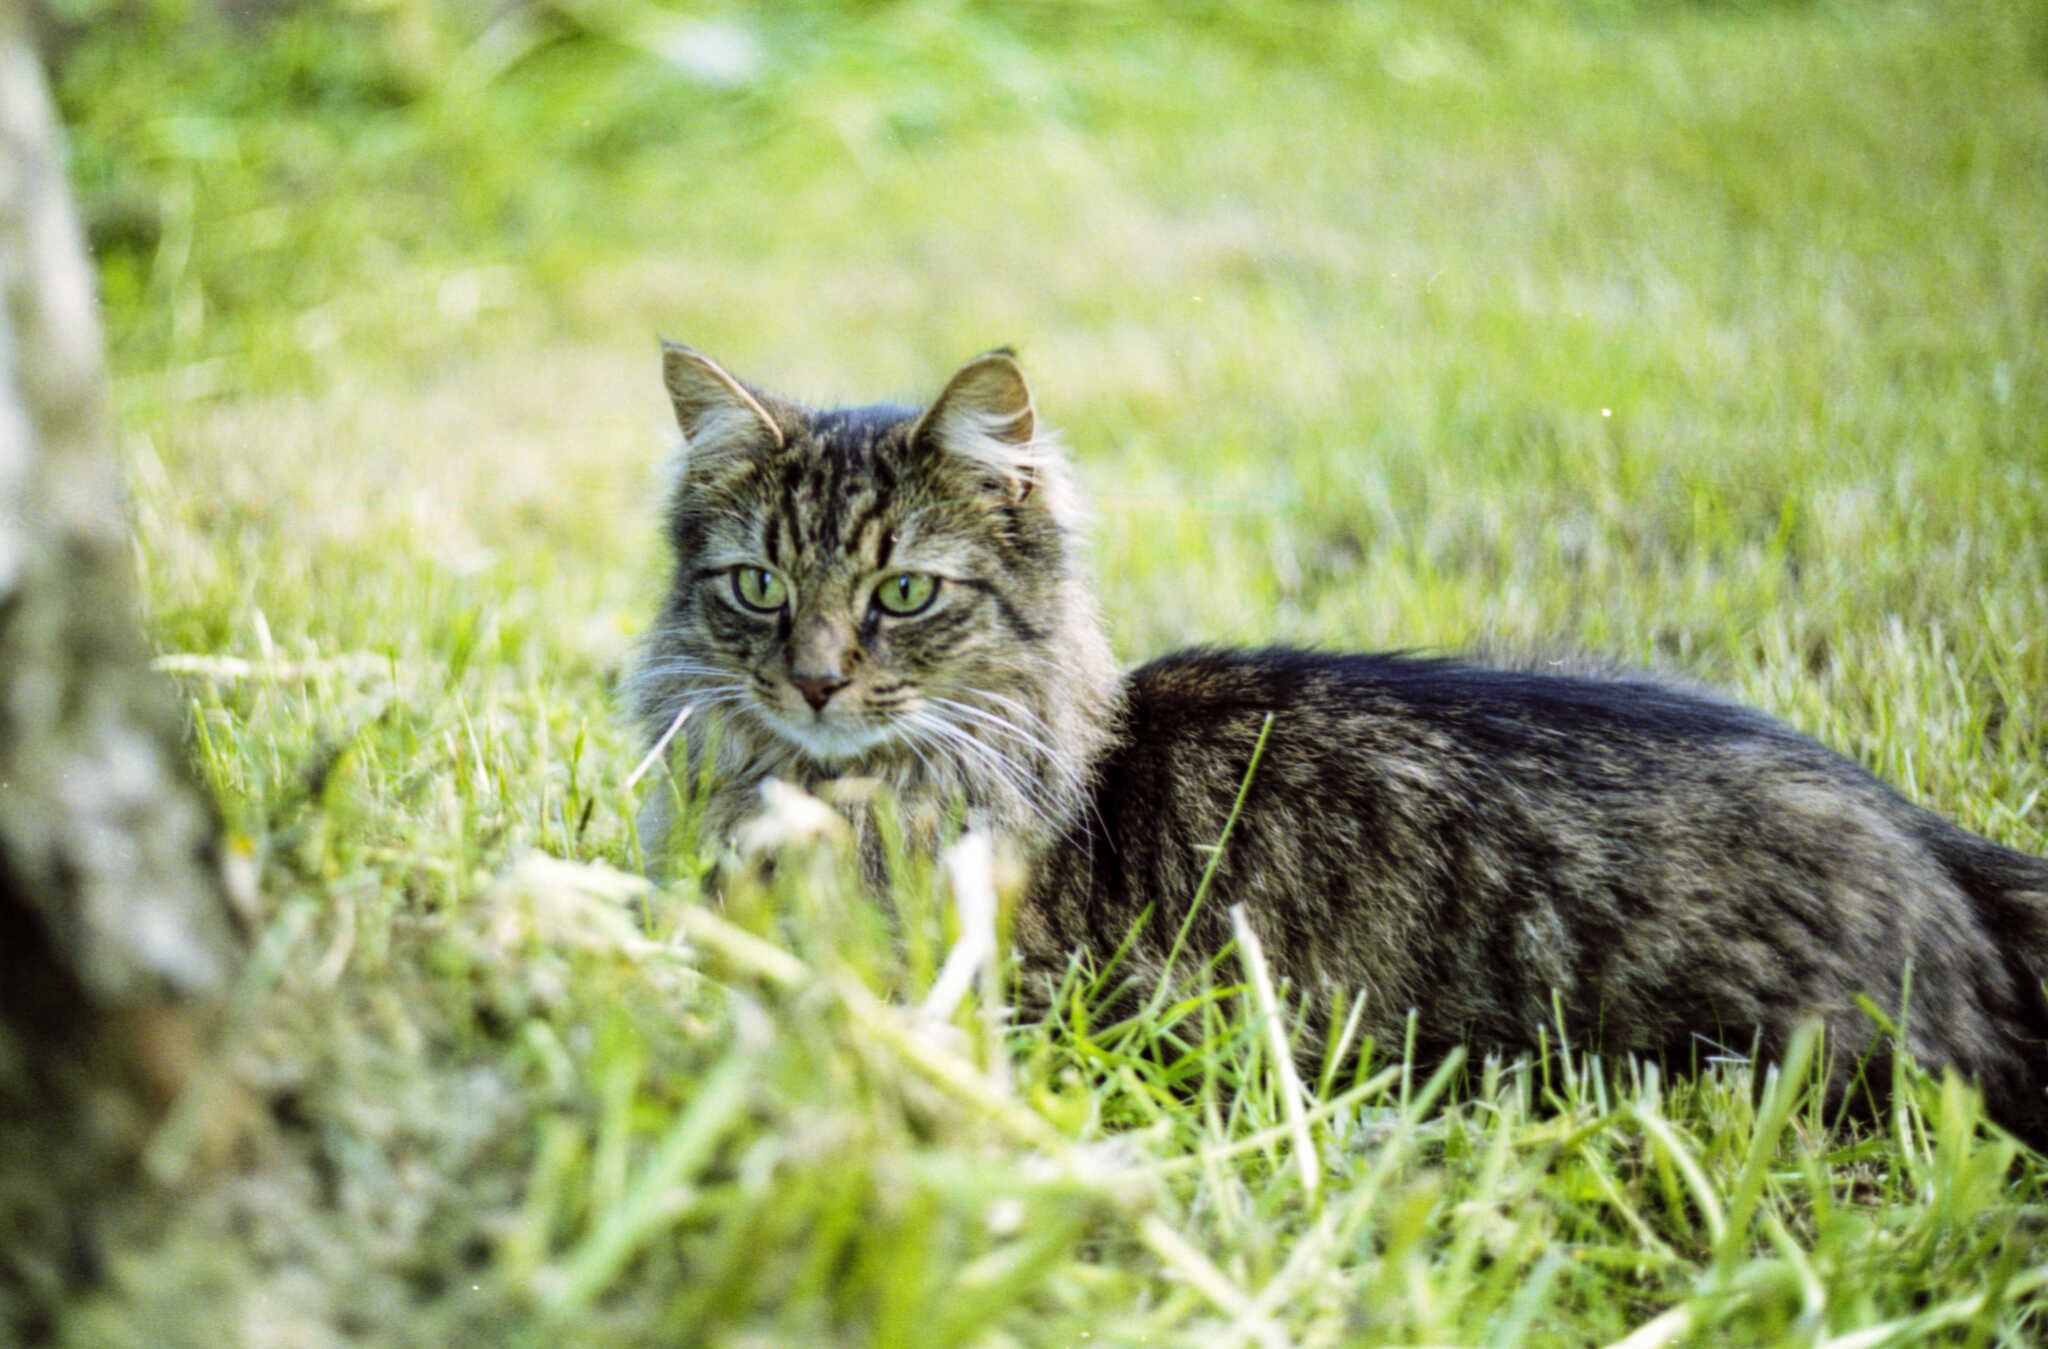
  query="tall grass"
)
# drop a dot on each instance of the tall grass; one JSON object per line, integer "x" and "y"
{"x": 1705, "y": 336}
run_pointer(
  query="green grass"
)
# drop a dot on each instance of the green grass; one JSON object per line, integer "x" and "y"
{"x": 1702, "y": 335}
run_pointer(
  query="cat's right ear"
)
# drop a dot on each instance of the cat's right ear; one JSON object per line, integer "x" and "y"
{"x": 717, "y": 416}
{"x": 984, "y": 417}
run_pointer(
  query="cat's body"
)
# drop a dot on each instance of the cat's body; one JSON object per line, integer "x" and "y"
{"x": 1483, "y": 845}
{"x": 1490, "y": 847}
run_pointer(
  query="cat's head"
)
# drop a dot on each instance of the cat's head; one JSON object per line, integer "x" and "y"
{"x": 867, "y": 587}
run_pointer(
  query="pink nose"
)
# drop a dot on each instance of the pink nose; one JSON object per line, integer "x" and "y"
{"x": 818, "y": 689}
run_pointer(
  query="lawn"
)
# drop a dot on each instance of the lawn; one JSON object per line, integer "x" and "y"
{"x": 1706, "y": 336}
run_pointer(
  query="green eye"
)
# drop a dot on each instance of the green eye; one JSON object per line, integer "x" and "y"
{"x": 907, "y": 592}
{"x": 759, "y": 588}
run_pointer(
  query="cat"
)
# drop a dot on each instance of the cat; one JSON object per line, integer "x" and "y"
{"x": 900, "y": 594}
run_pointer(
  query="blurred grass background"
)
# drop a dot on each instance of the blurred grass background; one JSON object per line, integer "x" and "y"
{"x": 1704, "y": 335}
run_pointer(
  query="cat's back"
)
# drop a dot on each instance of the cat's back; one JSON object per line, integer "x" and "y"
{"x": 1410, "y": 824}
{"x": 1377, "y": 703}
{"x": 1378, "y": 769}
{"x": 1566, "y": 779}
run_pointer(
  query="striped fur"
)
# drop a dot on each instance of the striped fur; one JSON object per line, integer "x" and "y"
{"x": 1483, "y": 844}
{"x": 993, "y": 701}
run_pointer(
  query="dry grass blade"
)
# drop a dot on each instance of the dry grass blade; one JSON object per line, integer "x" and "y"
{"x": 1658, "y": 1331}
{"x": 1292, "y": 1094}
{"x": 970, "y": 864}
{"x": 1200, "y": 1272}
{"x": 360, "y": 664}
{"x": 653, "y": 756}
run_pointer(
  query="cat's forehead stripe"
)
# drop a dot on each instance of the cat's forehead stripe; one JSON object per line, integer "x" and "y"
{"x": 837, "y": 479}
{"x": 848, "y": 489}
{"x": 869, "y": 535}
{"x": 832, "y": 514}
{"x": 827, "y": 477}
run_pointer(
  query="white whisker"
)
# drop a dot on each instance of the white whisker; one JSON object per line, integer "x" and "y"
{"x": 679, "y": 667}
{"x": 913, "y": 742}
{"x": 1071, "y": 790}
{"x": 1016, "y": 705}
{"x": 1033, "y": 794}
{"x": 1053, "y": 761}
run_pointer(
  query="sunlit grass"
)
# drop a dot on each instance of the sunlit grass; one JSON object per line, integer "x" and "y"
{"x": 1705, "y": 336}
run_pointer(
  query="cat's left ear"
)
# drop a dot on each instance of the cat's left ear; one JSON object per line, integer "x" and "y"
{"x": 985, "y": 417}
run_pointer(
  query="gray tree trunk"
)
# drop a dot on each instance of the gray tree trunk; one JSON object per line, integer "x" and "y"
{"x": 115, "y": 932}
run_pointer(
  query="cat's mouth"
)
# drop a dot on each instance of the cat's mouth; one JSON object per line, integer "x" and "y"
{"x": 831, "y": 742}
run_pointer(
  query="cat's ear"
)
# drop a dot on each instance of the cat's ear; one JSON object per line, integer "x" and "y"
{"x": 985, "y": 417}
{"x": 716, "y": 414}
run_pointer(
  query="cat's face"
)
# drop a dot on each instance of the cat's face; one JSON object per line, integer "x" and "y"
{"x": 861, "y": 583}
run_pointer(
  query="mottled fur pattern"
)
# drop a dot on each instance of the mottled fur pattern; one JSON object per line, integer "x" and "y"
{"x": 994, "y": 700}
{"x": 1484, "y": 845}
{"x": 1487, "y": 846}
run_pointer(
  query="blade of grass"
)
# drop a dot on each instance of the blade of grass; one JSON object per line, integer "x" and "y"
{"x": 656, "y": 1197}
{"x": 1291, "y": 1106}
{"x": 1187, "y": 922}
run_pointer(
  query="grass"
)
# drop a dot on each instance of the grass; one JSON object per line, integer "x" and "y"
{"x": 1702, "y": 335}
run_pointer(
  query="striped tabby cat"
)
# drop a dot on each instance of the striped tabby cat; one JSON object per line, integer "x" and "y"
{"x": 883, "y": 592}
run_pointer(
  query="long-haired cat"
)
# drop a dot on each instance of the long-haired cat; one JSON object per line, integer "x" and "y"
{"x": 900, "y": 594}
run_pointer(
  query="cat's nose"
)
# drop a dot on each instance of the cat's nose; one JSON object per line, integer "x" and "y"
{"x": 818, "y": 689}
